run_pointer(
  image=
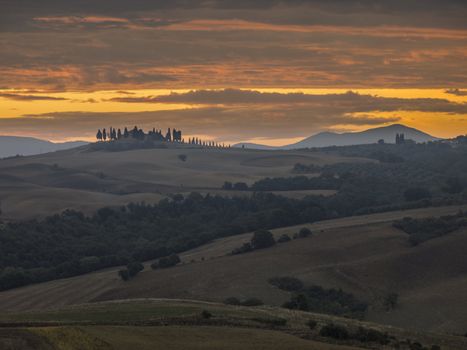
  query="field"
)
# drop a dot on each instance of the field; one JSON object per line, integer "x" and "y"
{"x": 87, "y": 180}
{"x": 180, "y": 324}
{"x": 364, "y": 255}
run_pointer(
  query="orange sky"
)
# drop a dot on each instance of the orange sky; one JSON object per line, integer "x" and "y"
{"x": 67, "y": 70}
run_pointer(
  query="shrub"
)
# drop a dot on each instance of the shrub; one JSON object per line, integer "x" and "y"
{"x": 134, "y": 268}
{"x": 297, "y": 302}
{"x": 312, "y": 324}
{"x": 182, "y": 157}
{"x": 284, "y": 238}
{"x": 166, "y": 262}
{"x": 366, "y": 335}
{"x": 232, "y": 301}
{"x": 245, "y": 248}
{"x": 206, "y": 314}
{"x": 124, "y": 275}
{"x": 334, "y": 331}
{"x": 262, "y": 239}
{"x": 290, "y": 284}
{"x": 328, "y": 301}
{"x": 304, "y": 232}
{"x": 252, "y": 302}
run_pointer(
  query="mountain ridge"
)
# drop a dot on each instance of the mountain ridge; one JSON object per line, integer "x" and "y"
{"x": 11, "y": 146}
{"x": 369, "y": 136}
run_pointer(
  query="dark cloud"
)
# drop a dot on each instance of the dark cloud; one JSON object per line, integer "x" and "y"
{"x": 350, "y": 101}
{"x": 232, "y": 124}
{"x": 456, "y": 92}
{"x": 121, "y": 44}
{"x": 19, "y": 97}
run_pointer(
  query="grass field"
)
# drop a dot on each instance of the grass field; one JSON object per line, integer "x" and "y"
{"x": 80, "y": 179}
{"x": 178, "y": 324}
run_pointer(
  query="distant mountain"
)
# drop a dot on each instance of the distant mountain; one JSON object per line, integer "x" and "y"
{"x": 27, "y": 146}
{"x": 326, "y": 139}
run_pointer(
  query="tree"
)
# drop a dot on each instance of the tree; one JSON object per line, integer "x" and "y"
{"x": 99, "y": 135}
{"x": 119, "y": 134}
{"x": 104, "y": 134}
{"x": 262, "y": 239}
{"x": 126, "y": 133}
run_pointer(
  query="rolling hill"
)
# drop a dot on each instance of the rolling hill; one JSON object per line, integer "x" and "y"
{"x": 11, "y": 146}
{"x": 363, "y": 255}
{"x": 326, "y": 139}
{"x": 88, "y": 180}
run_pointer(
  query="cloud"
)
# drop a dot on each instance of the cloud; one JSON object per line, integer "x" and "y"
{"x": 456, "y": 92}
{"x": 19, "y": 97}
{"x": 221, "y": 123}
{"x": 348, "y": 102}
{"x": 89, "y": 45}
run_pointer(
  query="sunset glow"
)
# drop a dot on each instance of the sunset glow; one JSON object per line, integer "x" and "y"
{"x": 65, "y": 72}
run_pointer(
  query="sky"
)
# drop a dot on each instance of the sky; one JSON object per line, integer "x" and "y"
{"x": 271, "y": 72}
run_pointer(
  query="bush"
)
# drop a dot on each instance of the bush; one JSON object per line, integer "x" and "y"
{"x": 366, "y": 335}
{"x": 134, "y": 268}
{"x": 289, "y": 284}
{"x": 252, "y": 302}
{"x": 304, "y": 232}
{"x": 284, "y": 238}
{"x": 328, "y": 301}
{"x": 262, "y": 239}
{"x": 182, "y": 157}
{"x": 245, "y": 248}
{"x": 124, "y": 274}
{"x": 297, "y": 302}
{"x": 334, "y": 331}
{"x": 312, "y": 324}
{"x": 232, "y": 301}
{"x": 206, "y": 314}
{"x": 166, "y": 262}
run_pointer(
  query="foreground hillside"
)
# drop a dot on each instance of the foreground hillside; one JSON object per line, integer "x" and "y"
{"x": 87, "y": 180}
{"x": 363, "y": 255}
{"x": 184, "y": 324}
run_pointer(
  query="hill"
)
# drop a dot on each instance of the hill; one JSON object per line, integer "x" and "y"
{"x": 87, "y": 180}
{"x": 363, "y": 255}
{"x": 327, "y": 139}
{"x": 11, "y": 146}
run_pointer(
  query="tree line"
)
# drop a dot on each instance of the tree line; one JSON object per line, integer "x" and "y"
{"x": 172, "y": 135}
